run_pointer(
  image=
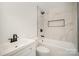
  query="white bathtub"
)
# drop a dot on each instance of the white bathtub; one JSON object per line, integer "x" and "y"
{"x": 12, "y": 48}
{"x": 59, "y": 48}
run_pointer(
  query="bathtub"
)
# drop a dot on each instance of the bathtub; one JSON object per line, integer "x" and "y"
{"x": 59, "y": 48}
{"x": 11, "y": 49}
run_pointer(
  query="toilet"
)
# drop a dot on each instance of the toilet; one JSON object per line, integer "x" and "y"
{"x": 42, "y": 51}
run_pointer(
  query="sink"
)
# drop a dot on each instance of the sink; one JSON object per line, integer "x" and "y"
{"x": 9, "y": 47}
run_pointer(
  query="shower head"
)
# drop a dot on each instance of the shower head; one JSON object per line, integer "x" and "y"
{"x": 42, "y": 12}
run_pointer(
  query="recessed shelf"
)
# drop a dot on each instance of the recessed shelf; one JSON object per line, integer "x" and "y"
{"x": 56, "y": 23}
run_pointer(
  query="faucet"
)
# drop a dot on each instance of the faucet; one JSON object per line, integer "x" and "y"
{"x": 14, "y": 39}
{"x": 42, "y": 35}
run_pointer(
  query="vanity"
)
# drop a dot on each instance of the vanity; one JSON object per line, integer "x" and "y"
{"x": 22, "y": 47}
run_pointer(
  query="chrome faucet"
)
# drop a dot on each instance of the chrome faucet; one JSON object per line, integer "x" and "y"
{"x": 14, "y": 39}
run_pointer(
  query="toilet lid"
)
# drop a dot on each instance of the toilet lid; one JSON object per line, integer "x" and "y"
{"x": 43, "y": 49}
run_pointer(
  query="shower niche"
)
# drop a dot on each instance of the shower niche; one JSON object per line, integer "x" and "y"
{"x": 56, "y": 23}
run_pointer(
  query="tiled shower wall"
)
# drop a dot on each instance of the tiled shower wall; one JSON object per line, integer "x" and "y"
{"x": 56, "y": 11}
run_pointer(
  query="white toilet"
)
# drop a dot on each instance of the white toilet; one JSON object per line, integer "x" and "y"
{"x": 42, "y": 51}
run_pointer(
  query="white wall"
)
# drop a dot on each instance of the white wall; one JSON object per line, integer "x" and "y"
{"x": 55, "y": 11}
{"x": 18, "y": 18}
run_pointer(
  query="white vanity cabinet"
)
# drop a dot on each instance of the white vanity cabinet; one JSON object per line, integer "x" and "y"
{"x": 29, "y": 50}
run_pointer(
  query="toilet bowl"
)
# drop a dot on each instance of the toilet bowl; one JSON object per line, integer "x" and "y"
{"x": 42, "y": 51}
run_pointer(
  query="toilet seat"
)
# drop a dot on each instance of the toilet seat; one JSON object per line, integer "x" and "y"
{"x": 42, "y": 51}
